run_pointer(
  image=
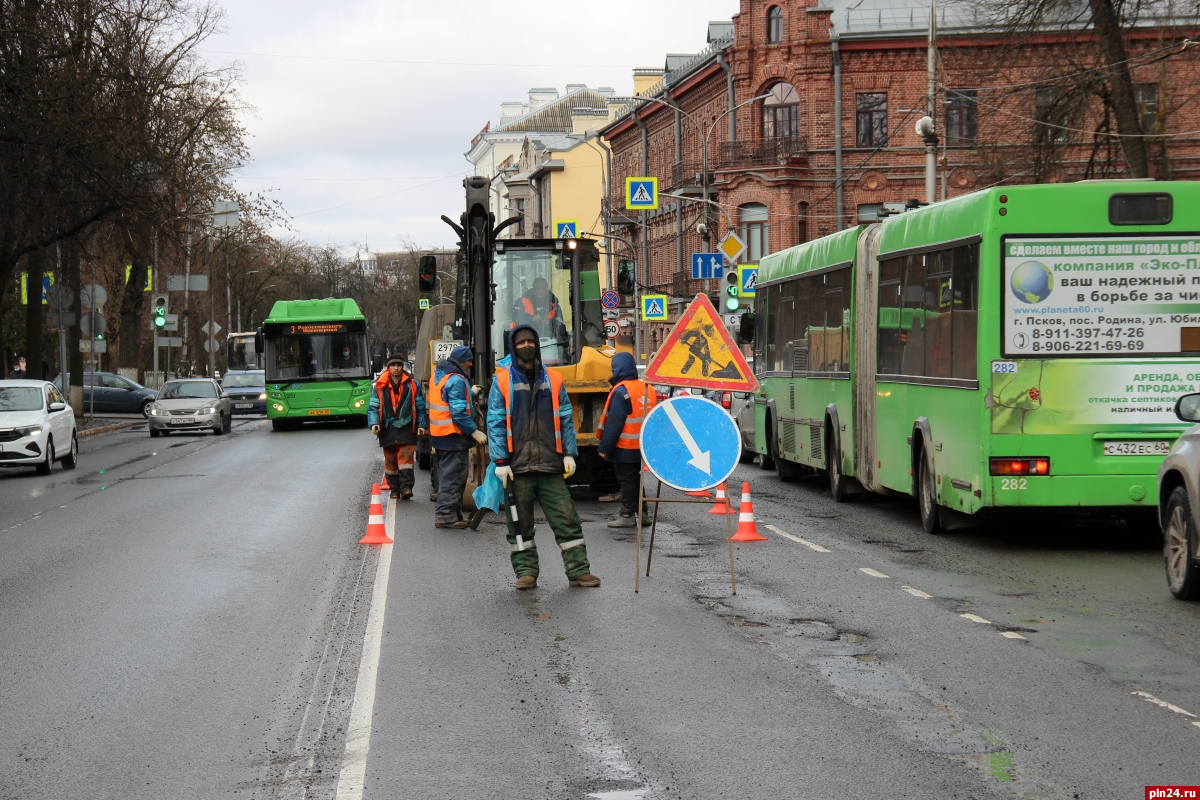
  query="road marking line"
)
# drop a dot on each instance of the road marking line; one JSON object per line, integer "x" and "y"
{"x": 804, "y": 542}
{"x": 1149, "y": 698}
{"x": 874, "y": 573}
{"x": 358, "y": 733}
{"x": 1012, "y": 635}
{"x": 389, "y": 519}
{"x": 976, "y": 618}
{"x": 916, "y": 592}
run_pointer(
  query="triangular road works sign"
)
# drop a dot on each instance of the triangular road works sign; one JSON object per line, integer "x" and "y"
{"x": 699, "y": 352}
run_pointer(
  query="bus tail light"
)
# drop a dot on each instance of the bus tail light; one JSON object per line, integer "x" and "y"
{"x": 726, "y": 400}
{"x": 1019, "y": 466}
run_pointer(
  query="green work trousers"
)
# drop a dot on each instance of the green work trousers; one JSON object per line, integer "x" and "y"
{"x": 550, "y": 491}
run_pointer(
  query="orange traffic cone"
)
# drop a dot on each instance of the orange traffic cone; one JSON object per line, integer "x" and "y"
{"x": 383, "y": 484}
{"x": 747, "y": 531}
{"x": 376, "y": 530}
{"x": 702, "y": 493}
{"x": 719, "y": 507}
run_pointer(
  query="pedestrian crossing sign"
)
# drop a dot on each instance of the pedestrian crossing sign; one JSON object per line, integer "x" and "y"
{"x": 641, "y": 194}
{"x": 566, "y": 229}
{"x": 700, "y": 352}
{"x": 423, "y": 303}
{"x": 654, "y": 307}
{"x": 748, "y": 280}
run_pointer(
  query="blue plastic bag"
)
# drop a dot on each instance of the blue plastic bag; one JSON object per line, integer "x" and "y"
{"x": 490, "y": 493}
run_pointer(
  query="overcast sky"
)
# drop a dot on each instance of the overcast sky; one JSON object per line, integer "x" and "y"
{"x": 368, "y": 151}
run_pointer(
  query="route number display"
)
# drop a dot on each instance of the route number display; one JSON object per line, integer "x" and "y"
{"x": 1101, "y": 296}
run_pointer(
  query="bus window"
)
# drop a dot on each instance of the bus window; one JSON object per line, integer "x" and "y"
{"x": 802, "y": 327}
{"x": 965, "y": 316}
{"x": 912, "y": 317}
{"x": 938, "y": 302}
{"x": 889, "y": 344}
{"x": 774, "y": 359}
{"x": 784, "y": 329}
{"x": 837, "y": 338}
{"x": 761, "y": 301}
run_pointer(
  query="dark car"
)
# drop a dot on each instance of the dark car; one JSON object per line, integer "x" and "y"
{"x": 247, "y": 390}
{"x": 113, "y": 393}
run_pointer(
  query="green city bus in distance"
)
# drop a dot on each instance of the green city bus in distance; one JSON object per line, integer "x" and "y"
{"x": 316, "y": 362}
{"x": 1020, "y": 347}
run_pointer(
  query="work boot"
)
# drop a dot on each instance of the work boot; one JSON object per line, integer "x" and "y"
{"x": 393, "y": 482}
{"x": 587, "y": 581}
{"x": 457, "y": 525}
{"x": 406, "y": 494}
{"x": 525, "y": 582}
{"x": 433, "y": 497}
{"x": 609, "y": 498}
{"x": 622, "y": 521}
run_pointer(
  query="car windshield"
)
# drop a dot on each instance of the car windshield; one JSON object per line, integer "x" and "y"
{"x": 244, "y": 381}
{"x": 20, "y": 398}
{"x": 200, "y": 390}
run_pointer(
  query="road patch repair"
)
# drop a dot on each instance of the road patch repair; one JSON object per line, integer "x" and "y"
{"x": 863, "y": 680}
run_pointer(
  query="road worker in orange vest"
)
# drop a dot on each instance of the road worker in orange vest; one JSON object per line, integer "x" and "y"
{"x": 531, "y": 439}
{"x": 620, "y": 432}
{"x": 539, "y": 308}
{"x": 452, "y": 433}
{"x": 396, "y": 414}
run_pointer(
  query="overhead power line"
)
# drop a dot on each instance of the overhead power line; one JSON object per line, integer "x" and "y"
{"x": 418, "y": 63}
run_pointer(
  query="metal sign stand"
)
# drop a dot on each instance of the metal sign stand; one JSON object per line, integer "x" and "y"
{"x": 658, "y": 498}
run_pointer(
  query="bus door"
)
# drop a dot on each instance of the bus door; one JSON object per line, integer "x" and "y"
{"x": 866, "y": 310}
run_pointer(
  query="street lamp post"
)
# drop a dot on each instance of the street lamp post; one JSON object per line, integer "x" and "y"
{"x": 706, "y": 231}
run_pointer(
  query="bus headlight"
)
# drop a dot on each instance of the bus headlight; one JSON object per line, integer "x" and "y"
{"x": 278, "y": 407}
{"x": 359, "y": 403}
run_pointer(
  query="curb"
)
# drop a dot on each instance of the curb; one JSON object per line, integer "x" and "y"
{"x": 106, "y": 429}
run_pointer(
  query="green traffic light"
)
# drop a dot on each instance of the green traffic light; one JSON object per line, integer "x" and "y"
{"x": 732, "y": 291}
{"x": 159, "y": 320}
{"x": 731, "y": 304}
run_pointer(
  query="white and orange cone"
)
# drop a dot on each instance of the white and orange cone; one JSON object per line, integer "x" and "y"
{"x": 376, "y": 530}
{"x": 747, "y": 531}
{"x": 720, "y": 506}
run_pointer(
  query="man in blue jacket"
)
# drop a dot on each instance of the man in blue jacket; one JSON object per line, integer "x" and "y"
{"x": 531, "y": 438}
{"x": 453, "y": 433}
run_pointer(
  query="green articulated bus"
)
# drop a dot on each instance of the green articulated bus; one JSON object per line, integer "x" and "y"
{"x": 1016, "y": 348}
{"x": 316, "y": 362}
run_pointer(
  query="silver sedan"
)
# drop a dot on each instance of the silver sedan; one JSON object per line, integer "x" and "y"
{"x": 193, "y": 404}
{"x": 1178, "y": 485}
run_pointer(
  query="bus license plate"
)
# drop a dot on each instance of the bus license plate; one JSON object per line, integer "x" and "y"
{"x": 318, "y": 412}
{"x": 182, "y": 420}
{"x": 1137, "y": 448}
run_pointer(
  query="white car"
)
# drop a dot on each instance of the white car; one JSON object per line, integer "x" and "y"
{"x": 37, "y": 427}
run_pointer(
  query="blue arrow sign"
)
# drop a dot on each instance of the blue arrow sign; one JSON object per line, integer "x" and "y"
{"x": 707, "y": 265}
{"x": 690, "y": 443}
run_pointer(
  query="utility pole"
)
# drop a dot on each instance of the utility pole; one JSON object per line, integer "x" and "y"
{"x": 184, "y": 359}
{"x": 931, "y": 141}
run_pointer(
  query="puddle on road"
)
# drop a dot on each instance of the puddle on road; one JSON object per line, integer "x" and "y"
{"x": 864, "y": 680}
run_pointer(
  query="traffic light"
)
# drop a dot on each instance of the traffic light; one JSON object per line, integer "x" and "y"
{"x": 159, "y": 309}
{"x": 733, "y": 290}
{"x": 427, "y": 273}
{"x": 625, "y": 276}
{"x": 568, "y": 253}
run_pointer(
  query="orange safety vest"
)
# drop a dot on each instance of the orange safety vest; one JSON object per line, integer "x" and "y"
{"x": 643, "y": 398}
{"x": 504, "y": 381}
{"x": 441, "y": 423}
{"x": 527, "y": 304}
{"x": 385, "y": 382}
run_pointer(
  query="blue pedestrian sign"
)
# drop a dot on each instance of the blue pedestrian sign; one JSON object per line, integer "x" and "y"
{"x": 566, "y": 229}
{"x": 748, "y": 280}
{"x": 641, "y": 193}
{"x": 654, "y": 307}
{"x": 610, "y": 299}
{"x": 690, "y": 443}
{"x": 707, "y": 265}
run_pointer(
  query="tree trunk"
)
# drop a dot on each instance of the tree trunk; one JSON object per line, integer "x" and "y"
{"x": 71, "y": 255}
{"x": 132, "y": 300}
{"x": 33, "y": 315}
{"x": 1125, "y": 107}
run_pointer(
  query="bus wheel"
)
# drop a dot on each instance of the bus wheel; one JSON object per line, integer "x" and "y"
{"x": 1183, "y": 575}
{"x": 282, "y": 424}
{"x": 927, "y": 497}
{"x": 833, "y": 468}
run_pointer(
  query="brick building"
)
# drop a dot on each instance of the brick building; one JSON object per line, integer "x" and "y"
{"x": 1006, "y": 113}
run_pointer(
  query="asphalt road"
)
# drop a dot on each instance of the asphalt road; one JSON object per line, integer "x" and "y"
{"x": 189, "y": 617}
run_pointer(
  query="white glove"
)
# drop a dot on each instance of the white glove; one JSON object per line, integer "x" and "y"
{"x": 569, "y": 466}
{"x": 375, "y": 429}
{"x": 504, "y": 474}
{"x": 479, "y": 436}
